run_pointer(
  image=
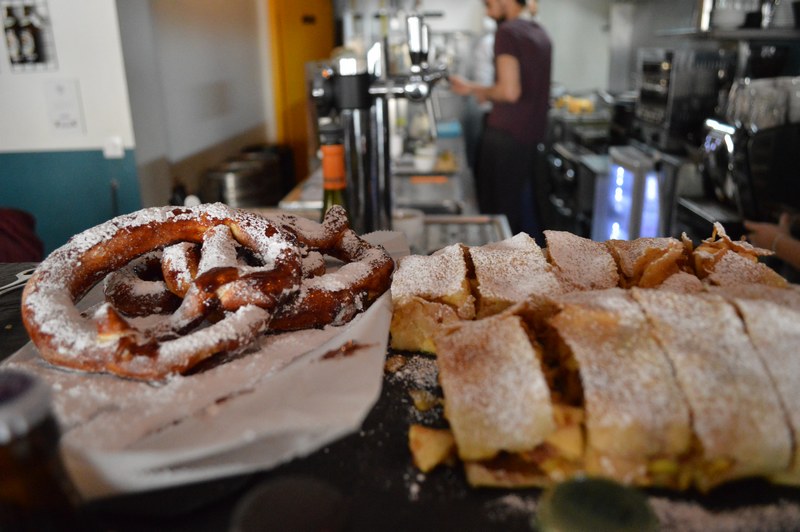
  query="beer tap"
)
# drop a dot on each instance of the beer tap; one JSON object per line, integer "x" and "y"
{"x": 420, "y": 82}
{"x": 361, "y": 99}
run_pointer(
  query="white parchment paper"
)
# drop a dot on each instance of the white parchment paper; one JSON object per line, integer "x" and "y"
{"x": 295, "y": 393}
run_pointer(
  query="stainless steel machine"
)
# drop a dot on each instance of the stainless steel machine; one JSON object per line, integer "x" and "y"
{"x": 678, "y": 89}
{"x": 356, "y": 93}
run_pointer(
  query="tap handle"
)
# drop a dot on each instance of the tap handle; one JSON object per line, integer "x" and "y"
{"x": 417, "y": 41}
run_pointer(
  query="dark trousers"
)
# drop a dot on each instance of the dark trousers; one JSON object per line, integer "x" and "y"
{"x": 504, "y": 181}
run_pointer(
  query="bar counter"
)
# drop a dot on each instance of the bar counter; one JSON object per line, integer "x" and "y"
{"x": 366, "y": 480}
{"x": 362, "y": 482}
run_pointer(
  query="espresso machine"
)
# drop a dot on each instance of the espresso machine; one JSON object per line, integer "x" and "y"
{"x": 356, "y": 94}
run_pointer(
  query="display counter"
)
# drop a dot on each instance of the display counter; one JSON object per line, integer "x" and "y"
{"x": 447, "y": 189}
{"x": 445, "y": 194}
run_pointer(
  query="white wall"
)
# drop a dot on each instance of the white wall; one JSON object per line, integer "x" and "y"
{"x": 209, "y": 62}
{"x": 199, "y": 73}
{"x": 195, "y": 70}
{"x": 579, "y": 30}
{"x": 139, "y": 42}
{"x": 92, "y": 56}
{"x": 458, "y": 15}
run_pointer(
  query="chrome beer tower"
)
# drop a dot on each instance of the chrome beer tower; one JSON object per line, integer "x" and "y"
{"x": 360, "y": 102}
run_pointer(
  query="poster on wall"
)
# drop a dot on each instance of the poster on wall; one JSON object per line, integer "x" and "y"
{"x": 28, "y": 35}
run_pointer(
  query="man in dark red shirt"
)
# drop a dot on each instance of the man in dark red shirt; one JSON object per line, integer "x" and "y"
{"x": 517, "y": 123}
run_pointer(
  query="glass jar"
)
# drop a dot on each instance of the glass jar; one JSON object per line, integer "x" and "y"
{"x": 35, "y": 490}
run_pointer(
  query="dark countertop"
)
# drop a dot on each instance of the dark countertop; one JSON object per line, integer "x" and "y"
{"x": 366, "y": 481}
{"x": 12, "y": 333}
{"x": 367, "y": 478}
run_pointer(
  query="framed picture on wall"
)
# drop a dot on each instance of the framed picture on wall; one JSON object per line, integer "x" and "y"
{"x": 28, "y": 35}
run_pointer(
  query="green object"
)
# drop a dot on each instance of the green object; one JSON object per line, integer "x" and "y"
{"x": 332, "y": 197}
{"x": 584, "y": 504}
{"x": 334, "y": 169}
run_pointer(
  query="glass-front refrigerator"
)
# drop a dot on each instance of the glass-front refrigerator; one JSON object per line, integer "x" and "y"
{"x": 633, "y": 200}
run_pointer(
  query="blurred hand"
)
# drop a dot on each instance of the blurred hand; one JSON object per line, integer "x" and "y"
{"x": 460, "y": 85}
{"x": 763, "y": 235}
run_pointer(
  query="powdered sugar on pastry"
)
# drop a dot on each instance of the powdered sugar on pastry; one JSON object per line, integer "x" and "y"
{"x": 634, "y": 406}
{"x": 581, "y": 263}
{"x": 439, "y": 277}
{"x": 646, "y": 262}
{"x": 509, "y": 271}
{"x": 496, "y": 396}
{"x": 775, "y": 332}
{"x": 734, "y": 269}
{"x": 736, "y": 412}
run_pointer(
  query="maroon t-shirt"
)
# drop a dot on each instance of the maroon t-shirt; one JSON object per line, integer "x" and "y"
{"x": 525, "y": 120}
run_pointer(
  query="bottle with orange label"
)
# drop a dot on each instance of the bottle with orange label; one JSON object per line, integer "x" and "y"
{"x": 334, "y": 171}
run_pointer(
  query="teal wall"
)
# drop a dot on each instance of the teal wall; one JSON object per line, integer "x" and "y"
{"x": 67, "y": 191}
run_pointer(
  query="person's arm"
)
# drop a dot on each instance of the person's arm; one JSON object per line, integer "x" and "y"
{"x": 777, "y": 238}
{"x": 787, "y": 249}
{"x": 506, "y": 89}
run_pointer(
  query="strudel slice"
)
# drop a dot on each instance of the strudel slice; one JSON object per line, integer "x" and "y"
{"x": 637, "y": 420}
{"x": 786, "y": 297}
{"x": 772, "y": 320}
{"x": 682, "y": 282}
{"x": 415, "y": 323}
{"x": 428, "y": 293}
{"x": 725, "y": 262}
{"x": 496, "y": 396}
{"x": 509, "y": 271}
{"x": 647, "y": 262}
{"x": 775, "y": 332}
{"x": 737, "y": 416}
{"x": 731, "y": 269}
{"x": 580, "y": 263}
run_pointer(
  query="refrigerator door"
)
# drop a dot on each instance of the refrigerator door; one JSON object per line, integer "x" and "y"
{"x": 627, "y": 199}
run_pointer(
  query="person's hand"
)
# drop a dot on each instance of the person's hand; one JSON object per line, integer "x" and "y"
{"x": 765, "y": 235}
{"x": 459, "y": 85}
{"x": 465, "y": 87}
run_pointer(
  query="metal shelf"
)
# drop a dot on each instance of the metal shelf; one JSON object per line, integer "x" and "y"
{"x": 741, "y": 34}
{"x": 476, "y": 230}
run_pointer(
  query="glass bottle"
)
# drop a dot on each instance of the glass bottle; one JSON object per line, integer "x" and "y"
{"x": 30, "y": 37}
{"x": 334, "y": 173}
{"x": 11, "y": 27}
{"x": 35, "y": 490}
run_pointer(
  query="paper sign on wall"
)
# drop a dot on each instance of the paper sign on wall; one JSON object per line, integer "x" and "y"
{"x": 64, "y": 109}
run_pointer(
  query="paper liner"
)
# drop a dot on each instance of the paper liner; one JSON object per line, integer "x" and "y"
{"x": 292, "y": 395}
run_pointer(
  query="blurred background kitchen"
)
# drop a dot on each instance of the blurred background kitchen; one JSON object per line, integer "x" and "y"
{"x": 666, "y": 115}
